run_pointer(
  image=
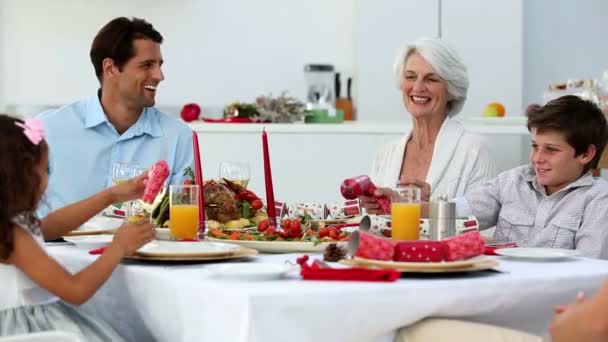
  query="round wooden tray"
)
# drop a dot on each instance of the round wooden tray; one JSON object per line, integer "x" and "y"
{"x": 239, "y": 253}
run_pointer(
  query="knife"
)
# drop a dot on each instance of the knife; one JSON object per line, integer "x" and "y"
{"x": 337, "y": 84}
{"x": 349, "y": 83}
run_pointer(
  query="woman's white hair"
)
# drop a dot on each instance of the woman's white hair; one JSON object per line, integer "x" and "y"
{"x": 447, "y": 64}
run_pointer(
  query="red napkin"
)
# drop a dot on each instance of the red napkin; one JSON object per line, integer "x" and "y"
{"x": 490, "y": 249}
{"x": 99, "y": 250}
{"x": 320, "y": 271}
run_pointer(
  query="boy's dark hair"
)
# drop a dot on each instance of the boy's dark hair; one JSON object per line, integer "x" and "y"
{"x": 19, "y": 179}
{"x": 580, "y": 121}
{"x": 115, "y": 41}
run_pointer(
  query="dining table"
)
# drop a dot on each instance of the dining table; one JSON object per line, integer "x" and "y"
{"x": 170, "y": 301}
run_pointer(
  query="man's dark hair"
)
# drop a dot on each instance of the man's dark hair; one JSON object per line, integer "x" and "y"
{"x": 580, "y": 121}
{"x": 115, "y": 41}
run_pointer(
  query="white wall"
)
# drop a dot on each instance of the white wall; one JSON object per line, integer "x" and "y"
{"x": 488, "y": 36}
{"x": 215, "y": 51}
{"x": 381, "y": 29}
{"x": 563, "y": 40}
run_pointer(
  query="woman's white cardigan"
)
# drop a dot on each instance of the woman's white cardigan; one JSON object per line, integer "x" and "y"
{"x": 461, "y": 162}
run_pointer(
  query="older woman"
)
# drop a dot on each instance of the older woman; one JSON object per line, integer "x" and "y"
{"x": 433, "y": 82}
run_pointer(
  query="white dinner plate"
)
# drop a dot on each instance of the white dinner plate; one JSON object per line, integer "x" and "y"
{"x": 282, "y": 246}
{"x": 187, "y": 248}
{"x": 249, "y": 271}
{"x": 97, "y": 225}
{"x": 537, "y": 253}
{"x": 90, "y": 241}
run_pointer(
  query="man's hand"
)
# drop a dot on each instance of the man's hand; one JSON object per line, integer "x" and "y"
{"x": 129, "y": 190}
{"x": 583, "y": 320}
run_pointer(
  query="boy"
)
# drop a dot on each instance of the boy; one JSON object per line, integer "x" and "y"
{"x": 554, "y": 201}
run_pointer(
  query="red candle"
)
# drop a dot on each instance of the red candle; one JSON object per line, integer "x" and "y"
{"x": 272, "y": 216}
{"x": 198, "y": 180}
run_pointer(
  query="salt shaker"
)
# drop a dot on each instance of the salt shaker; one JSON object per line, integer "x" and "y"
{"x": 442, "y": 223}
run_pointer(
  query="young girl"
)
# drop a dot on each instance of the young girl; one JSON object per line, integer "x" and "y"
{"x": 32, "y": 282}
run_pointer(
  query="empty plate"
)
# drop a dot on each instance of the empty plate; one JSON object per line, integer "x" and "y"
{"x": 187, "y": 248}
{"x": 249, "y": 271}
{"x": 537, "y": 253}
{"x": 90, "y": 241}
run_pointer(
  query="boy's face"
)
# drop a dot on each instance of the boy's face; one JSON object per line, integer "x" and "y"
{"x": 555, "y": 162}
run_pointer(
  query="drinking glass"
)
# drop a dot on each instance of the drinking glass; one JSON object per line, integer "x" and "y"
{"x": 183, "y": 211}
{"x": 236, "y": 172}
{"x": 405, "y": 213}
{"x": 123, "y": 171}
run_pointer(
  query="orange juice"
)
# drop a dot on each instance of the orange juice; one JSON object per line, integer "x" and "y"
{"x": 405, "y": 221}
{"x": 183, "y": 222}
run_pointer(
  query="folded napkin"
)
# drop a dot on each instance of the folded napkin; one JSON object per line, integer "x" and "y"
{"x": 491, "y": 249}
{"x": 319, "y": 270}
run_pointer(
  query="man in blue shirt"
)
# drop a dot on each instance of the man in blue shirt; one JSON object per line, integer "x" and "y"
{"x": 119, "y": 123}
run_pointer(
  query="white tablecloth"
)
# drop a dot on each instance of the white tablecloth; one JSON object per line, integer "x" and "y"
{"x": 185, "y": 303}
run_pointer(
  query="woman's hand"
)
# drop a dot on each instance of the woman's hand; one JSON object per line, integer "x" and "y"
{"x": 425, "y": 188}
{"x": 370, "y": 203}
{"x": 131, "y": 236}
{"x": 131, "y": 189}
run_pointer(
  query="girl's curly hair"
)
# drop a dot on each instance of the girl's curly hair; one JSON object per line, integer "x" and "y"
{"x": 19, "y": 179}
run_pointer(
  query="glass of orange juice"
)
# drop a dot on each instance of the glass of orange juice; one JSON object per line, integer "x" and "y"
{"x": 183, "y": 211}
{"x": 405, "y": 213}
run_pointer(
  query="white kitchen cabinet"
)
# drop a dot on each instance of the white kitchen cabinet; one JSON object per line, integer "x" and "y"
{"x": 309, "y": 162}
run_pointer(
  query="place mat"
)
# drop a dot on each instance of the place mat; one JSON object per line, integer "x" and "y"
{"x": 240, "y": 253}
{"x": 473, "y": 264}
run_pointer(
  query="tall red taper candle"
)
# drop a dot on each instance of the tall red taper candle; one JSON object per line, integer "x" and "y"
{"x": 198, "y": 180}
{"x": 272, "y": 216}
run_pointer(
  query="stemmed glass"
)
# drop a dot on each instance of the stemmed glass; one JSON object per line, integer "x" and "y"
{"x": 236, "y": 172}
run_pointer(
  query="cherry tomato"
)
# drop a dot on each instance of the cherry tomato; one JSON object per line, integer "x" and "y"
{"x": 334, "y": 234}
{"x": 256, "y": 204}
{"x": 272, "y": 230}
{"x": 286, "y": 224}
{"x": 188, "y": 182}
{"x": 263, "y": 225}
{"x": 323, "y": 232}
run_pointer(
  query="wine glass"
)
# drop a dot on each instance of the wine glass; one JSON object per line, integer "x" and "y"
{"x": 236, "y": 172}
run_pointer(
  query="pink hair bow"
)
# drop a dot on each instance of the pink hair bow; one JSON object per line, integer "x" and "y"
{"x": 33, "y": 130}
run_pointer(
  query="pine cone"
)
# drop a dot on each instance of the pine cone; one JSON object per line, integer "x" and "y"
{"x": 334, "y": 253}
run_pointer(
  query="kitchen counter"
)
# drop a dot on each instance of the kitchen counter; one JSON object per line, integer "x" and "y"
{"x": 507, "y": 126}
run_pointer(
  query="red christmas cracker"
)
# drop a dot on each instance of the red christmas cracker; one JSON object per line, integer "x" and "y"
{"x": 420, "y": 251}
{"x": 156, "y": 178}
{"x": 463, "y": 246}
{"x": 374, "y": 247}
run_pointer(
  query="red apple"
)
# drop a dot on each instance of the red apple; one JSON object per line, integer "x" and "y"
{"x": 190, "y": 112}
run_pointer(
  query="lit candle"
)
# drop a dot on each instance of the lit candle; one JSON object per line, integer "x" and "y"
{"x": 198, "y": 180}
{"x": 272, "y": 216}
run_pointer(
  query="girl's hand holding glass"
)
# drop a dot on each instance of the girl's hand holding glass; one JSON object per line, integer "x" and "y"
{"x": 129, "y": 190}
{"x": 131, "y": 236}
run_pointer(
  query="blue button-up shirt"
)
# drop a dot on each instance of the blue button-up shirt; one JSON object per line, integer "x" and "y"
{"x": 84, "y": 145}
